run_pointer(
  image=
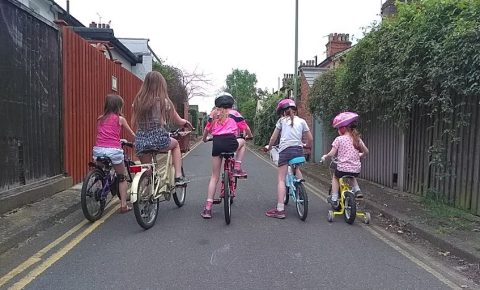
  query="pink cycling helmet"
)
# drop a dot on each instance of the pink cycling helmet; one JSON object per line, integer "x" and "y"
{"x": 285, "y": 104}
{"x": 344, "y": 119}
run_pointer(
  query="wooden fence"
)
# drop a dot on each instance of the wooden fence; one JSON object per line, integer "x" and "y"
{"x": 88, "y": 78}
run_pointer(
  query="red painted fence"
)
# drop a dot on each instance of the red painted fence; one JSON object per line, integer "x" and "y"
{"x": 87, "y": 79}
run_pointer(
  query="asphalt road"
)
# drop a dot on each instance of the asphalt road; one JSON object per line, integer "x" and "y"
{"x": 184, "y": 251}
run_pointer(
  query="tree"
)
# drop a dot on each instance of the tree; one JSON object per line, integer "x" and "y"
{"x": 241, "y": 84}
{"x": 176, "y": 89}
{"x": 195, "y": 83}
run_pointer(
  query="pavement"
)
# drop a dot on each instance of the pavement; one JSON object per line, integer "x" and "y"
{"x": 457, "y": 234}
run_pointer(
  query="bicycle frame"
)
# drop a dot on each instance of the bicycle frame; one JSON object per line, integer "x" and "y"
{"x": 163, "y": 184}
{"x": 228, "y": 165}
{"x": 290, "y": 180}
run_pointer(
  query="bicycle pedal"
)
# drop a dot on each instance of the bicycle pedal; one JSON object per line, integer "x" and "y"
{"x": 241, "y": 177}
{"x": 217, "y": 200}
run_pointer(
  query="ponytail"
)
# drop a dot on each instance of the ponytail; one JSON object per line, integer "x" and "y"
{"x": 355, "y": 138}
{"x": 219, "y": 115}
{"x": 289, "y": 112}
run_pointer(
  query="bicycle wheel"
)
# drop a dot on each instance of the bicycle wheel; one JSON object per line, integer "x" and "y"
{"x": 227, "y": 206}
{"x": 145, "y": 208}
{"x": 91, "y": 195}
{"x": 301, "y": 201}
{"x": 350, "y": 207}
{"x": 180, "y": 193}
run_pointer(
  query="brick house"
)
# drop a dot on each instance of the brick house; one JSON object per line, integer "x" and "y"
{"x": 336, "y": 47}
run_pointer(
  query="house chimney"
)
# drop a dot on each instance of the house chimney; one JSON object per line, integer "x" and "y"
{"x": 92, "y": 25}
{"x": 337, "y": 43}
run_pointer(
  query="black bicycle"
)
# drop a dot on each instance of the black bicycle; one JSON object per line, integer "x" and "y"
{"x": 101, "y": 180}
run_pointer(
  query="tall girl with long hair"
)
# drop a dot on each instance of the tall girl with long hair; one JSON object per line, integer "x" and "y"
{"x": 152, "y": 110}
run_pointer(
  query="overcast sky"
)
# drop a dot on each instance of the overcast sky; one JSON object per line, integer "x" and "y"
{"x": 217, "y": 36}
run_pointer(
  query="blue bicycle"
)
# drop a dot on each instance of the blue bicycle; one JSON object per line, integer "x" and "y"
{"x": 295, "y": 188}
{"x": 100, "y": 181}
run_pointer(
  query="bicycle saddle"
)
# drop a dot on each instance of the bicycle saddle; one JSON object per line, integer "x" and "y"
{"x": 154, "y": 152}
{"x": 227, "y": 154}
{"x": 104, "y": 159}
{"x": 297, "y": 160}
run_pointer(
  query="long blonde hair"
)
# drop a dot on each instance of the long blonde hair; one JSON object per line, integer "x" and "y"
{"x": 219, "y": 115}
{"x": 153, "y": 90}
{"x": 356, "y": 137}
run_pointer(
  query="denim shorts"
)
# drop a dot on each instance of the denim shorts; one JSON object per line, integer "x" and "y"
{"x": 289, "y": 153}
{"x": 115, "y": 154}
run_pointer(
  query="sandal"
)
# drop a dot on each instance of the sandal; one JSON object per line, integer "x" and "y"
{"x": 125, "y": 209}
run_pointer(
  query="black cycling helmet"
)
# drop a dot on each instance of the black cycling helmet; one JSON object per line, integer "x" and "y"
{"x": 224, "y": 100}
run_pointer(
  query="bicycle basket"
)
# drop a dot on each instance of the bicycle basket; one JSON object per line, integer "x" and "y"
{"x": 274, "y": 155}
{"x": 184, "y": 141}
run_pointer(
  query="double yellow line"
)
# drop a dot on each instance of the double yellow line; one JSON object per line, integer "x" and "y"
{"x": 39, "y": 256}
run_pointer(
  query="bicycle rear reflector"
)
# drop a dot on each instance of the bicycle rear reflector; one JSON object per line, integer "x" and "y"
{"x": 135, "y": 168}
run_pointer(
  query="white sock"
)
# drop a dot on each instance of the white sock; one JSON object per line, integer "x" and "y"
{"x": 280, "y": 206}
{"x": 334, "y": 196}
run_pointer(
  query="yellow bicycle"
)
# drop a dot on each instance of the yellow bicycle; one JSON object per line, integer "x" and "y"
{"x": 349, "y": 205}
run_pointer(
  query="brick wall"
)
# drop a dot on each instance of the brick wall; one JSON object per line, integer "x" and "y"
{"x": 302, "y": 102}
{"x": 302, "y": 105}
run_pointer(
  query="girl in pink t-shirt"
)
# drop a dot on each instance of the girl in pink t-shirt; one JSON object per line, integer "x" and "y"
{"x": 109, "y": 126}
{"x": 348, "y": 148}
{"x": 224, "y": 124}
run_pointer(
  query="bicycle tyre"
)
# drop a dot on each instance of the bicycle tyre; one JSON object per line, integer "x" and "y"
{"x": 227, "y": 206}
{"x": 180, "y": 193}
{"x": 146, "y": 208}
{"x": 350, "y": 207}
{"x": 301, "y": 203}
{"x": 286, "y": 199}
{"x": 87, "y": 196}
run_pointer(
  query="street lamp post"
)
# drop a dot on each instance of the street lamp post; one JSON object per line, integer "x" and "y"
{"x": 296, "y": 53}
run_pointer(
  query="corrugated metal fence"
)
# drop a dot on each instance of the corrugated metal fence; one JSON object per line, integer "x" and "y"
{"x": 87, "y": 80}
{"x": 405, "y": 160}
{"x": 30, "y": 98}
{"x": 459, "y": 181}
{"x": 384, "y": 143}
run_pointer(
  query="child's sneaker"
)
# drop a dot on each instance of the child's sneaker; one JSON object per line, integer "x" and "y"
{"x": 238, "y": 171}
{"x": 334, "y": 204}
{"x": 275, "y": 213}
{"x": 206, "y": 213}
{"x": 180, "y": 181}
{"x": 358, "y": 194}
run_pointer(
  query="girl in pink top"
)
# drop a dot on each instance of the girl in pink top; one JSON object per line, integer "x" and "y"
{"x": 348, "y": 148}
{"x": 109, "y": 126}
{"x": 224, "y": 124}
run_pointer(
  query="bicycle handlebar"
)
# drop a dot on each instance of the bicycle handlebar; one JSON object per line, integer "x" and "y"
{"x": 242, "y": 137}
{"x": 124, "y": 142}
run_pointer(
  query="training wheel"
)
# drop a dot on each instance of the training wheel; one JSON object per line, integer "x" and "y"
{"x": 367, "y": 218}
{"x": 330, "y": 216}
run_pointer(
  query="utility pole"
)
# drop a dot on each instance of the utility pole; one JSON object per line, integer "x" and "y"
{"x": 296, "y": 54}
